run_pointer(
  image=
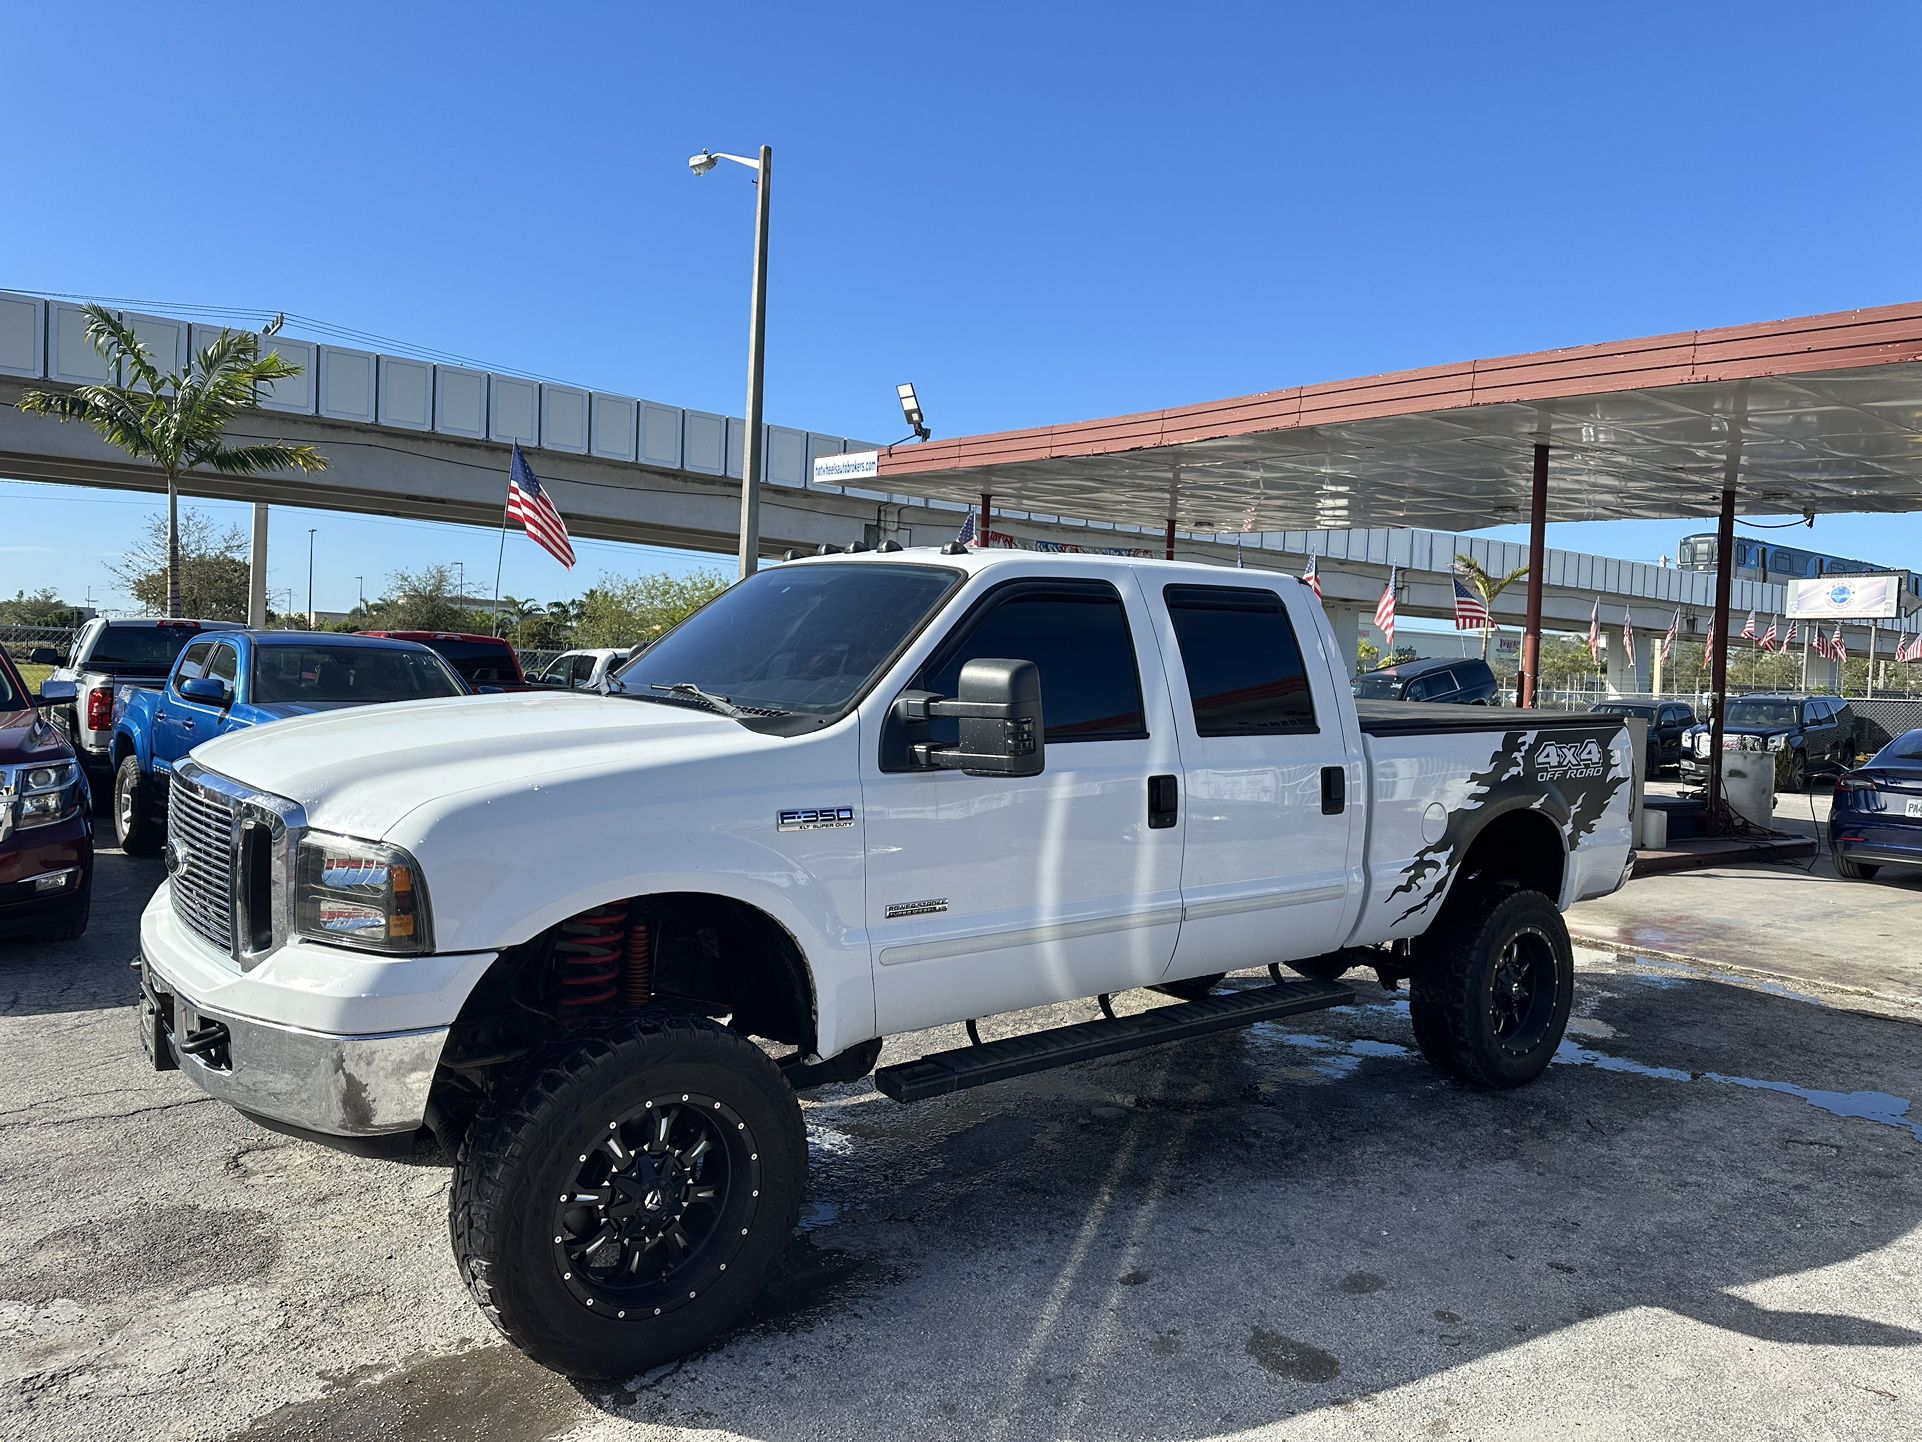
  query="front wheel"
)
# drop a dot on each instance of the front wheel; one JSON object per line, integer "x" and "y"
{"x": 1798, "y": 772}
{"x": 136, "y": 819}
{"x": 629, "y": 1197}
{"x": 1491, "y": 989}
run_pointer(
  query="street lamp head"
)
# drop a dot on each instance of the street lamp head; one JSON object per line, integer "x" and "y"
{"x": 704, "y": 162}
{"x": 911, "y": 410}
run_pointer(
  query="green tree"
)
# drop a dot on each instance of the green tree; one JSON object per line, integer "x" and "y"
{"x": 422, "y": 600}
{"x": 617, "y": 612}
{"x": 43, "y": 608}
{"x": 1488, "y": 586}
{"x": 178, "y": 421}
{"x": 209, "y": 574}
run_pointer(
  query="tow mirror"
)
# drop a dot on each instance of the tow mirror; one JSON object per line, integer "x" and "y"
{"x": 998, "y": 703}
{"x": 205, "y": 690}
{"x": 44, "y": 656}
{"x": 57, "y": 693}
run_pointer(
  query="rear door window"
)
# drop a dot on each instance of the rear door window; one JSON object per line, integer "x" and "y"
{"x": 1077, "y": 635}
{"x": 1242, "y": 660}
{"x": 224, "y": 666}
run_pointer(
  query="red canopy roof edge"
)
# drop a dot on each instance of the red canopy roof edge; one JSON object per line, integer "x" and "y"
{"x": 1844, "y": 340}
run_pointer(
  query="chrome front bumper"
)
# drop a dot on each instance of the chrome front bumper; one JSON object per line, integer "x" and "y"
{"x": 346, "y": 1086}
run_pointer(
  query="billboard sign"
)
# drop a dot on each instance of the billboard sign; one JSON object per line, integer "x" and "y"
{"x": 1847, "y": 598}
{"x": 854, "y": 466}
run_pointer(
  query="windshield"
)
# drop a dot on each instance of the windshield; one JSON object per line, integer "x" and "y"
{"x": 1763, "y": 713}
{"x": 11, "y": 698}
{"x": 795, "y": 638}
{"x": 138, "y": 650}
{"x": 308, "y": 675}
{"x": 1380, "y": 687}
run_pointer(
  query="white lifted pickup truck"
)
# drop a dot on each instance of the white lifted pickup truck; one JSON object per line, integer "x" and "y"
{"x": 856, "y": 795}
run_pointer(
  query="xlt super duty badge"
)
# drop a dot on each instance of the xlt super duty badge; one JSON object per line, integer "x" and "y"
{"x": 814, "y": 818}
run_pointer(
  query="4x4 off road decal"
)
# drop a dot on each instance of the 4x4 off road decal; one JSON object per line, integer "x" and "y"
{"x": 1580, "y": 777}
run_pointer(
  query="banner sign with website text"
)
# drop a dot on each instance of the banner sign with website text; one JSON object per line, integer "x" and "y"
{"x": 1847, "y": 598}
{"x": 854, "y": 466}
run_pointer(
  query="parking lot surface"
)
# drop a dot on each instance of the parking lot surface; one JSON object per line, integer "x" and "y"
{"x": 1706, "y": 1222}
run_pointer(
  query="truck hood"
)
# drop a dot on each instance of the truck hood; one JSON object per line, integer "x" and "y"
{"x": 360, "y": 770}
{"x": 22, "y": 740}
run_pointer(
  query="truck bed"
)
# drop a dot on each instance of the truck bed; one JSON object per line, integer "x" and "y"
{"x": 1416, "y": 718}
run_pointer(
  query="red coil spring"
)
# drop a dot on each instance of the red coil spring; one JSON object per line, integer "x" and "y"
{"x": 590, "y": 953}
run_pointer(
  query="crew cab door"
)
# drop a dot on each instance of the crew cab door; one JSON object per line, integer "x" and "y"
{"x": 1271, "y": 863}
{"x": 179, "y": 725}
{"x": 988, "y": 894}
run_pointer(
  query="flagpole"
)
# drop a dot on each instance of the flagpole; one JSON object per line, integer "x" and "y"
{"x": 494, "y": 620}
{"x": 1870, "y": 673}
{"x": 1805, "y": 662}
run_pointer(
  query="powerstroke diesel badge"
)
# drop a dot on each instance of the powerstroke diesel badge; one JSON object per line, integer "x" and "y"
{"x": 1569, "y": 760}
{"x": 814, "y": 818}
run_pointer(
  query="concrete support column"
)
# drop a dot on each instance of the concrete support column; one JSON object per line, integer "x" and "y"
{"x": 257, "y": 569}
{"x": 1347, "y": 625}
{"x": 1629, "y": 673}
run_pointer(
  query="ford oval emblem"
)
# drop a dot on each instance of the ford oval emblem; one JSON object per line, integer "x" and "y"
{"x": 175, "y": 857}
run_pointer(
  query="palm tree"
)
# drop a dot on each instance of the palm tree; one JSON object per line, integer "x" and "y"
{"x": 178, "y": 421}
{"x": 1487, "y": 587}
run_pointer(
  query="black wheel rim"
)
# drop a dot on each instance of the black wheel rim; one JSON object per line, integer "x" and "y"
{"x": 662, "y": 1201}
{"x": 1523, "y": 992}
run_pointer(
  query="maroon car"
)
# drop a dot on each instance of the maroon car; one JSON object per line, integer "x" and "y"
{"x": 482, "y": 661}
{"x": 46, "y": 825}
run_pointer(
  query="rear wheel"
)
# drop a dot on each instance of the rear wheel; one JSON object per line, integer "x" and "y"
{"x": 627, "y": 1199}
{"x": 136, "y": 818}
{"x": 1491, "y": 989}
{"x": 1854, "y": 870}
{"x": 1798, "y": 772}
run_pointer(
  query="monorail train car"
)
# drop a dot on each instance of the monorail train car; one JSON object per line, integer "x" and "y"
{"x": 1759, "y": 560}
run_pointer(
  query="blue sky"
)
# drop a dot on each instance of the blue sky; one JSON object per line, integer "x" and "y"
{"x": 1036, "y": 212}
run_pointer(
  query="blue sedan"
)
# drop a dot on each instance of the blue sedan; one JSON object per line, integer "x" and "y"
{"x": 1876, "y": 820}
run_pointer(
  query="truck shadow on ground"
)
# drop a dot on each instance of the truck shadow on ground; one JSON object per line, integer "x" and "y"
{"x": 1202, "y": 1240}
{"x": 91, "y": 973}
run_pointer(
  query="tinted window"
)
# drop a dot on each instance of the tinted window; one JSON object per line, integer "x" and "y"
{"x": 347, "y": 673}
{"x": 1243, "y": 662}
{"x": 1378, "y": 686}
{"x": 194, "y": 663}
{"x": 806, "y": 638}
{"x": 480, "y": 663}
{"x": 225, "y": 665}
{"x": 1424, "y": 688}
{"x": 1077, "y": 637}
{"x": 582, "y": 672}
{"x": 138, "y": 650}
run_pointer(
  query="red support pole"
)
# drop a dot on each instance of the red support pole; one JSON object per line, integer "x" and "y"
{"x": 1169, "y": 552}
{"x": 1718, "y": 652}
{"x": 1528, "y": 682}
{"x": 987, "y": 515}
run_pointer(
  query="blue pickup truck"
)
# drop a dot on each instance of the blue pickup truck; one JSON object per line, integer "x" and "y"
{"x": 231, "y": 679}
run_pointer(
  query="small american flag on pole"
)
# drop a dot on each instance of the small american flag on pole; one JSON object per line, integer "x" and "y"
{"x": 1795, "y": 633}
{"x": 1674, "y": 630}
{"x": 1311, "y": 578}
{"x": 1769, "y": 636}
{"x": 528, "y": 503}
{"x": 1628, "y": 634}
{"x": 1595, "y": 631}
{"x": 1471, "y": 614}
{"x": 965, "y": 536}
{"x": 1838, "y": 648}
{"x": 1748, "y": 627}
{"x": 1385, "y": 610}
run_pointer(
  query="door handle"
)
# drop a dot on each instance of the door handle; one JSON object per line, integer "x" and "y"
{"x": 186, "y": 723}
{"x": 1164, "y": 802}
{"x": 1334, "y": 790}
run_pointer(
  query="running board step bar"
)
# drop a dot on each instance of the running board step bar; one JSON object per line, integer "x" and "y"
{"x": 971, "y": 1066}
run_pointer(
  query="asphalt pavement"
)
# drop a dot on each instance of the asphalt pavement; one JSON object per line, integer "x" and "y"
{"x": 1705, "y": 1222}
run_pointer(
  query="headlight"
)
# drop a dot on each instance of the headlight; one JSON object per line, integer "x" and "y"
{"x": 49, "y": 793}
{"x": 359, "y": 893}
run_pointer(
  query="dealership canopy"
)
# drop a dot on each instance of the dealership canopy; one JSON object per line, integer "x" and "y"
{"x": 1821, "y": 414}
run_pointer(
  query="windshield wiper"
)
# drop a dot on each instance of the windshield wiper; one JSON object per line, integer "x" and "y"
{"x": 688, "y": 691}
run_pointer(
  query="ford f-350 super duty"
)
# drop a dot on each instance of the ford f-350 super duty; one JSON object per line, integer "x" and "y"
{"x": 856, "y": 795}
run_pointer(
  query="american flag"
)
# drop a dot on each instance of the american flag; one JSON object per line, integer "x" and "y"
{"x": 1628, "y": 634}
{"x": 1674, "y": 630}
{"x": 1795, "y": 631}
{"x": 1708, "y": 647}
{"x": 1909, "y": 649}
{"x": 1768, "y": 636}
{"x": 1385, "y": 610}
{"x": 1838, "y": 648}
{"x": 1748, "y": 627}
{"x": 1311, "y": 578}
{"x": 1471, "y": 614}
{"x": 1595, "y": 631}
{"x": 965, "y": 536}
{"x": 529, "y": 504}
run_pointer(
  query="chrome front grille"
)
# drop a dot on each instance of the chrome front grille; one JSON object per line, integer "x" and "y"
{"x": 202, "y": 824}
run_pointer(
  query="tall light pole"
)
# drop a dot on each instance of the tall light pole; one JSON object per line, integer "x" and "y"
{"x": 310, "y": 576}
{"x": 752, "y": 458}
{"x": 361, "y": 581}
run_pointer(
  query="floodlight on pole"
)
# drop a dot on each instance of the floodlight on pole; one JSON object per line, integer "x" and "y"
{"x": 753, "y": 450}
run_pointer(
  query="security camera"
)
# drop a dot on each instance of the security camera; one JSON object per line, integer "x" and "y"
{"x": 704, "y": 162}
